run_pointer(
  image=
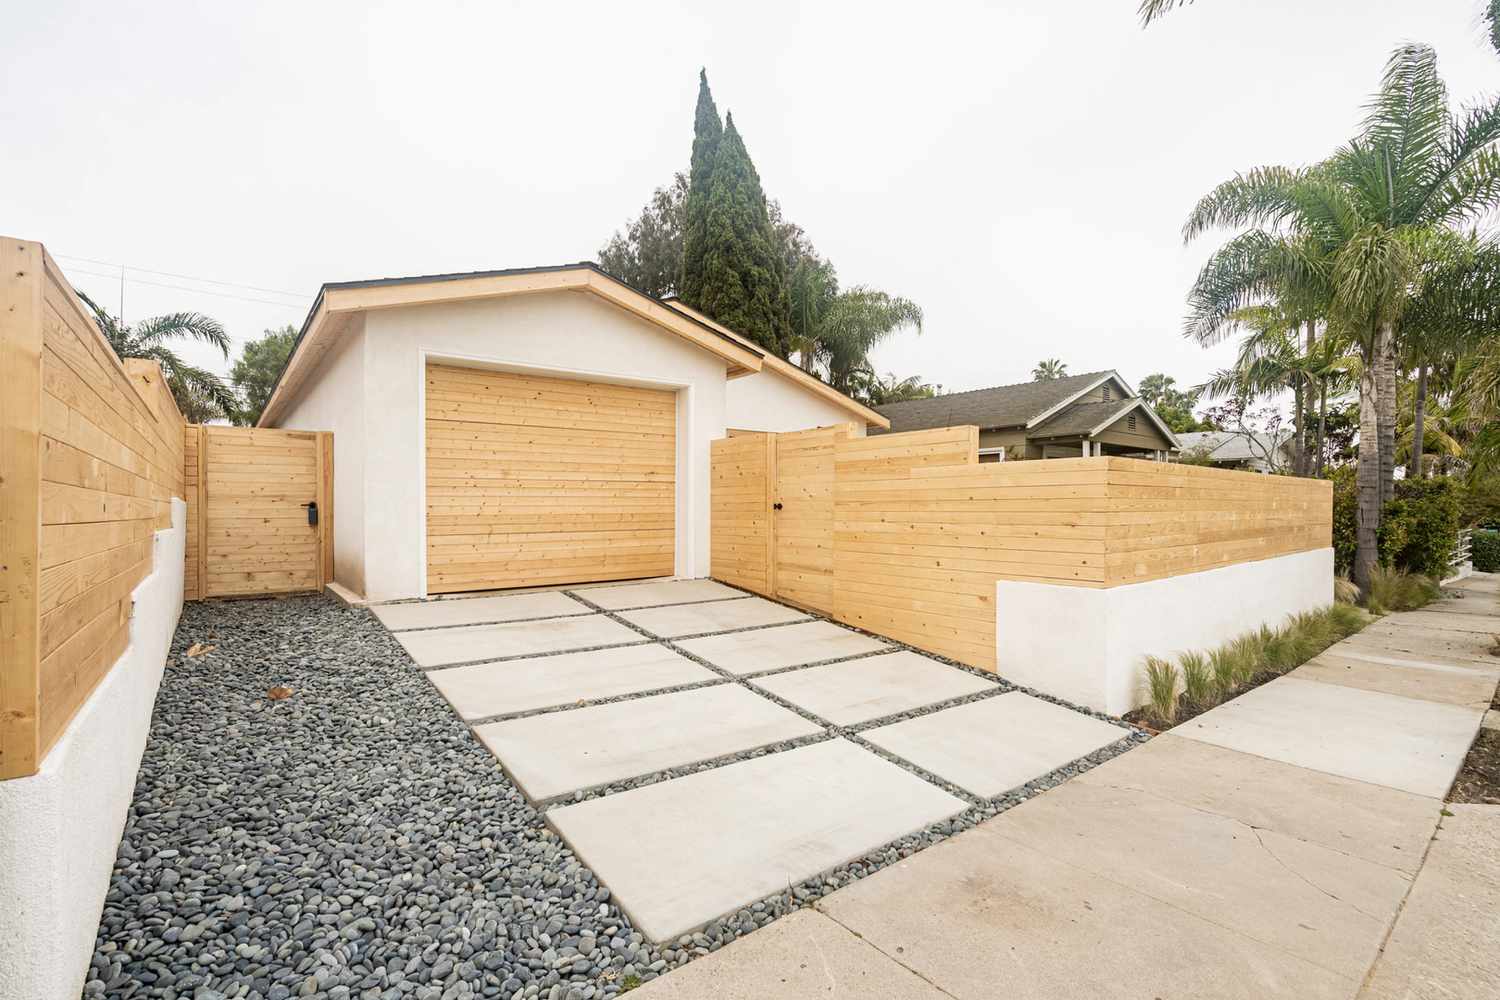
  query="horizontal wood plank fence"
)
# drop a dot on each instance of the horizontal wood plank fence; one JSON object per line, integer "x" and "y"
{"x": 918, "y": 532}
{"x": 91, "y": 455}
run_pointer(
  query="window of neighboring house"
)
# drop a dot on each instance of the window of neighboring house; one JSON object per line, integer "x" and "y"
{"x": 992, "y": 454}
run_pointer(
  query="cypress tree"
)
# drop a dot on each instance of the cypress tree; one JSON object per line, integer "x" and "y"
{"x": 743, "y": 275}
{"x": 707, "y": 131}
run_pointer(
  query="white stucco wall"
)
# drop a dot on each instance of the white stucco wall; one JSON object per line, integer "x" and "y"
{"x": 564, "y": 334}
{"x": 767, "y": 401}
{"x": 1088, "y": 646}
{"x": 334, "y": 400}
{"x": 60, "y": 828}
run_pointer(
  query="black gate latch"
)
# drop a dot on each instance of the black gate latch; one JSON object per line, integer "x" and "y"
{"x": 312, "y": 512}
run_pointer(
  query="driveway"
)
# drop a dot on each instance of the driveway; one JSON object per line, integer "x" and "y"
{"x": 707, "y": 752}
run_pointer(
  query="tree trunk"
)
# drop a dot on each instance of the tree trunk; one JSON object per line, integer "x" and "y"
{"x": 1299, "y": 429}
{"x": 1322, "y": 425}
{"x": 1385, "y": 410}
{"x": 1367, "y": 478}
{"x": 1310, "y": 343}
{"x": 1418, "y": 424}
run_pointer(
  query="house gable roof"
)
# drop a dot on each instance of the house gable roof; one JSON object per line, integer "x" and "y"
{"x": 1092, "y": 418}
{"x": 338, "y": 301}
{"x": 1001, "y": 406}
{"x": 787, "y": 370}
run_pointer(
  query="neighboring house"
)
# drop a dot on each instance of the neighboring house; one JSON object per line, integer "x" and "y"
{"x": 527, "y": 427}
{"x": 1237, "y": 450}
{"x": 1092, "y": 414}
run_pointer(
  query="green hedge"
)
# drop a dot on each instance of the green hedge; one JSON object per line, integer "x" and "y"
{"x": 1486, "y": 550}
{"x": 1418, "y": 528}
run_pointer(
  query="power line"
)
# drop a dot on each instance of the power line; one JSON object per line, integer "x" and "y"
{"x": 185, "y": 277}
{"x": 186, "y": 288}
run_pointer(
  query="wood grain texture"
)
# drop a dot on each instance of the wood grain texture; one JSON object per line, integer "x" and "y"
{"x": 920, "y": 532}
{"x": 254, "y": 536}
{"x": 534, "y": 480}
{"x": 108, "y": 460}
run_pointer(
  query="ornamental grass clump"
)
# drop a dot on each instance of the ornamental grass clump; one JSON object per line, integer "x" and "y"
{"x": 1345, "y": 619}
{"x": 1226, "y": 670}
{"x": 1161, "y": 687}
{"x": 1395, "y": 590}
{"x": 1197, "y": 678}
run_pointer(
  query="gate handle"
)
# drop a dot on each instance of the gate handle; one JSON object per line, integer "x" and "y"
{"x": 312, "y": 511}
{"x": 776, "y": 506}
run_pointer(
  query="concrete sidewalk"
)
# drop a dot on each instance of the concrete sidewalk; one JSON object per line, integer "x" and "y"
{"x": 1281, "y": 845}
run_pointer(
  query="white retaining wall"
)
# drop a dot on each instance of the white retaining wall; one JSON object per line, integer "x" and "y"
{"x": 60, "y": 828}
{"x": 1089, "y": 646}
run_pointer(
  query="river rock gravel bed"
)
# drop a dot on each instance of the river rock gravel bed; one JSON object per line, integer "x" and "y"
{"x": 351, "y": 840}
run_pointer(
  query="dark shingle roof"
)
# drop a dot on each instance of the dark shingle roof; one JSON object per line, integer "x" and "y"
{"x": 1080, "y": 418}
{"x": 1001, "y": 406}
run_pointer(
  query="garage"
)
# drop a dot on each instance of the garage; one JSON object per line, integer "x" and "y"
{"x": 535, "y": 481}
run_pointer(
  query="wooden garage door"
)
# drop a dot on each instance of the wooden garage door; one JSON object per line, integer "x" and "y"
{"x": 534, "y": 481}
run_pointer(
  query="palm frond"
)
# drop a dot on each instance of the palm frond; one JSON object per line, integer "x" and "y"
{"x": 1152, "y": 10}
{"x": 1265, "y": 196}
{"x": 193, "y": 325}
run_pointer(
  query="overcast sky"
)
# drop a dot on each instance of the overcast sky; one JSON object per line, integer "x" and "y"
{"x": 1020, "y": 169}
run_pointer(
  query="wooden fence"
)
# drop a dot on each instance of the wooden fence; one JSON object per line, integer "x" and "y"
{"x": 918, "y": 531}
{"x": 91, "y": 455}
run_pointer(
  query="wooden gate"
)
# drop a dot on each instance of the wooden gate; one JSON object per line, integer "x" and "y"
{"x": 260, "y": 511}
{"x": 802, "y": 516}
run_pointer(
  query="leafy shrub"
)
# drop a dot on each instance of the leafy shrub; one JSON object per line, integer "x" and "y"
{"x": 1486, "y": 548}
{"x": 1418, "y": 528}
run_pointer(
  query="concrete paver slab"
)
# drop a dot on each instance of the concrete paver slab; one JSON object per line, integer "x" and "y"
{"x": 1379, "y": 824}
{"x": 1424, "y": 643}
{"x": 551, "y": 755}
{"x": 476, "y": 610}
{"x": 1479, "y": 624}
{"x": 745, "y": 653}
{"x": 1443, "y": 944}
{"x": 681, "y": 853}
{"x": 1346, "y": 651}
{"x": 488, "y": 689}
{"x": 804, "y": 954}
{"x": 716, "y": 616}
{"x": 649, "y": 595}
{"x": 1416, "y": 746}
{"x": 873, "y": 686}
{"x": 991, "y": 746}
{"x": 1434, "y": 682}
{"x": 980, "y": 914}
{"x": 1321, "y": 905}
{"x": 1468, "y": 604}
{"x": 435, "y": 647}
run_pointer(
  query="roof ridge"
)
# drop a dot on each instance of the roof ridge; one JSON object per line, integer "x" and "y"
{"x": 1008, "y": 385}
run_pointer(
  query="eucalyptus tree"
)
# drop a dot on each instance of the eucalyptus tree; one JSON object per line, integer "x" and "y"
{"x": 200, "y": 394}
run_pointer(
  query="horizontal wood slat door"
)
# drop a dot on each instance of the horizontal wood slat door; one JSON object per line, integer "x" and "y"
{"x": 803, "y": 517}
{"x": 536, "y": 481}
{"x": 253, "y": 488}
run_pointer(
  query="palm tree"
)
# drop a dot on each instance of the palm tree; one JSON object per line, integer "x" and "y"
{"x": 1048, "y": 369}
{"x": 1366, "y": 231}
{"x": 834, "y": 334}
{"x": 877, "y": 390}
{"x": 200, "y": 394}
{"x": 1152, "y": 10}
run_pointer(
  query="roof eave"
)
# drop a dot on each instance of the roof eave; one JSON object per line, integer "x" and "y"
{"x": 1057, "y": 407}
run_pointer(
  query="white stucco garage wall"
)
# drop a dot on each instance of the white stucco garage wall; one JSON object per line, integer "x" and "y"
{"x": 768, "y": 401}
{"x": 563, "y": 334}
{"x": 60, "y": 828}
{"x": 334, "y": 400}
{"x": 1088, "y": 645}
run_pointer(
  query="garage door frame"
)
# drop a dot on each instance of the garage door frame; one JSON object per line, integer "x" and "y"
{"x": 683, "y": 493}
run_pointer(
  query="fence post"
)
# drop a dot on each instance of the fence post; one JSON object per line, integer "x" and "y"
{"x": 22, "y": 274}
